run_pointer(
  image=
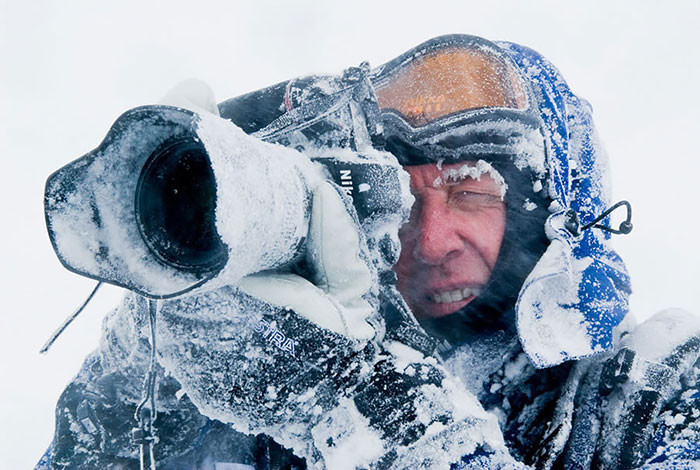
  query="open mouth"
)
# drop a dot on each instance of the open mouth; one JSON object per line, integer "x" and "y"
{"x": 454, "y": 295}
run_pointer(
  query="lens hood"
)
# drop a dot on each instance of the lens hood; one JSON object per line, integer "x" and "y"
{"x": 107, "y": 220}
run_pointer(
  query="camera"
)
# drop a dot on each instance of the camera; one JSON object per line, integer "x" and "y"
{"x": 172, "y": 200}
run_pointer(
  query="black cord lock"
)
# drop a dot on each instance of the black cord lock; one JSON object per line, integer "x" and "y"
{"x": 573, "y": 224}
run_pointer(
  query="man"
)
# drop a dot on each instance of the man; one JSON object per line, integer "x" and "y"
{"x": 502, "y": 261}
{"x": 467, "y": 260}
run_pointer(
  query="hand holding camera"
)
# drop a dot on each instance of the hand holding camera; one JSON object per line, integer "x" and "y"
{"x": 268, "y": 265}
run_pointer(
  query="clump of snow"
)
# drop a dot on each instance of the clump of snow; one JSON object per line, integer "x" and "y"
{"x": 555, "y": 206}
{"x": 263, "y": 198}
{"x": 516, "y": 368}
{"x": 405, "y": 356}
{"x": 550, "y": 327}
{"x": 529, "y": 206}
{"x": 660, "y": 334}
{"x": 474, "y": 171}
{"x": 525, "y": 144}
{"x": 346, "y": 439}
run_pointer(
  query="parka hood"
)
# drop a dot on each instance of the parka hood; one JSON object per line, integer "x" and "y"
{"x": 579, "y": 289}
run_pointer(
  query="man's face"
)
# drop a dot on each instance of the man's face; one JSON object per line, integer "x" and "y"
{"x": 451, "y": 242}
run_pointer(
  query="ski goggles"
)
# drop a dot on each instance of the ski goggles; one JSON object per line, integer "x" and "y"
{"x": 453, "y": 98}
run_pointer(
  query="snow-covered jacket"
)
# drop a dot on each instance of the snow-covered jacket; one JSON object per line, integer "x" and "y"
{"x": 574, "y": 386}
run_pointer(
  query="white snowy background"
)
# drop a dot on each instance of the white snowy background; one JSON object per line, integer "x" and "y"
{"x": 68, "y": 69}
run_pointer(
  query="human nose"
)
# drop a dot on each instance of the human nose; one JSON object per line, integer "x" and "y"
{"x": 437, "y": 238}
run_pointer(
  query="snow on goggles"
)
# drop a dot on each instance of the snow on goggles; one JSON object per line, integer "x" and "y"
{"x": 448, "y": 78}
{"x": 453, "y": 97}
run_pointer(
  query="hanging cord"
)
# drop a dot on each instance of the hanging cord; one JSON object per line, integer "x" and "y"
{"x": 68, "y": 321}
{"x": 145, "y": 414}
{"x": 625, "y": 227}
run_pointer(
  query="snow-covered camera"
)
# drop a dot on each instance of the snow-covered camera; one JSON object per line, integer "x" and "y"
{"x": 173, "y": 199}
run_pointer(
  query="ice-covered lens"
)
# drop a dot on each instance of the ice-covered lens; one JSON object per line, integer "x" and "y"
{"x": 175, "y": 207}
{"x": 451, "y": 80}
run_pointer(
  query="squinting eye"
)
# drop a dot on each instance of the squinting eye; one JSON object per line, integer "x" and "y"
{"x": 473, "y": 201}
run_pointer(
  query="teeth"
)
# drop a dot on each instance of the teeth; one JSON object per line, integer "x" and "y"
{"x": 454, "y": 295}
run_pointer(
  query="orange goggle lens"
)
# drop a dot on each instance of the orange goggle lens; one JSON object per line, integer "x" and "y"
{"x": 451, "y": 80}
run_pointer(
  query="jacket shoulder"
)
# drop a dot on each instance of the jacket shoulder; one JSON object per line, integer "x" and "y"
{"x": 651, "y": 394}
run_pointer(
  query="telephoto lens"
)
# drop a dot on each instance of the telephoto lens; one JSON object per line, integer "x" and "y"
{"x": 173, "y": 200}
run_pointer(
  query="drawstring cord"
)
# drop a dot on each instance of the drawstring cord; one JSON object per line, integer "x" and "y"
{"x": 145, "y": 414}
{"x": 573, "y": 224}
{"x": 69, "y": 320}
{"x": 625, "y": 227}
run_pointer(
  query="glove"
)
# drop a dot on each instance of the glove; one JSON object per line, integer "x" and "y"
{"x": 192, "y": 94}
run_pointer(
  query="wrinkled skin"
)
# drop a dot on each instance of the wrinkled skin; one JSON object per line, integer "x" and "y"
{"x": 451, "y": 242}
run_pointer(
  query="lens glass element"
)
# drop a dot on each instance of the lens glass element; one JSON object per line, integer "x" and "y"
{"x": 176, "y": 207}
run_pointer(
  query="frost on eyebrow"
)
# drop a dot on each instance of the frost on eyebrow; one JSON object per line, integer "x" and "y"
{"x": 474, "y": 171}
